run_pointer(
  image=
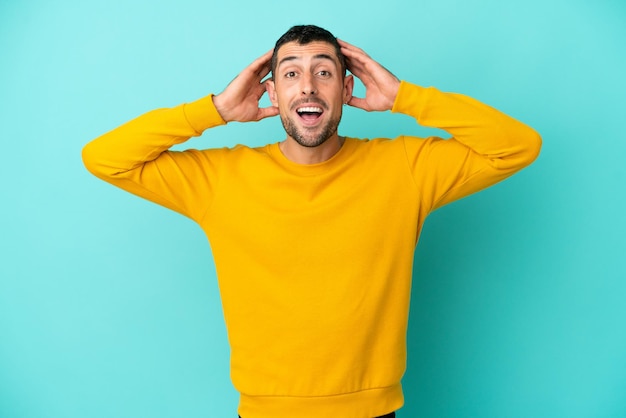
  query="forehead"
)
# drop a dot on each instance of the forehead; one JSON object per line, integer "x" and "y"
{"x": 292, "y": 51}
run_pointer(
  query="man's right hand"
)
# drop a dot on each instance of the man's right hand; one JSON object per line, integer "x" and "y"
{"x": 240, "y": 99}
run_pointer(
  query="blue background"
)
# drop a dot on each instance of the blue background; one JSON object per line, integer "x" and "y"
{"x": 109, "y": 304}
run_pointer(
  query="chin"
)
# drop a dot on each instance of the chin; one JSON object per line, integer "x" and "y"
{"x": 310, "y": 140}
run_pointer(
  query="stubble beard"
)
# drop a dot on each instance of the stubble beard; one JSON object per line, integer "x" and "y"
{"x": 306, "y": 139}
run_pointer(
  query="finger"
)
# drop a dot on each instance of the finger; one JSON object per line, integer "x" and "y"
{"x": 366, "y": 69}
{"x": 344, "y": 44}
{"x": 257, "y": 92}
{"x": 358, "y": 103}
{"x": 351, "y": 50}
{"x": 357, "y": 62}
{"x": 349, "y": 47}
{"x": 267, "y": 112}
{"x": 263, "y": 59}
{"x": 357, "y": 68}
{"x": 262, "y": 65}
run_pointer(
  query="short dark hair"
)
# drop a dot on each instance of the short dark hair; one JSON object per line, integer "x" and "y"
{"x": 304, "y": 34}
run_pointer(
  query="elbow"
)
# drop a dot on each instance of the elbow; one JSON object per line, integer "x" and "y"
{"x": 526, "y": 146}
{"x": 532, "y": 148}
{"x": 92, "y": 160}
{"x": 88, "y": 159}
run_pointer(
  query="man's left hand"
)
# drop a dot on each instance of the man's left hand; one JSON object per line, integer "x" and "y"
{"x": 381, "y": 86}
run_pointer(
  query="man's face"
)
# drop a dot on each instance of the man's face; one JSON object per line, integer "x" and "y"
{"x": 309, "y": 89}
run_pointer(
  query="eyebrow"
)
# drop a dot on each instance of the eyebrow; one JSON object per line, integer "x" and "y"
{"x": 294, "y": 58}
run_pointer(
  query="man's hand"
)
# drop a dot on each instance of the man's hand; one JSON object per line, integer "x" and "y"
{"x": 240, "y": 99}
{"x": 381, "y": 87}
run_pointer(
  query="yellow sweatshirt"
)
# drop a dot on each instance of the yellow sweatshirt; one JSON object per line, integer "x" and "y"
{"x": 314, "y": 262}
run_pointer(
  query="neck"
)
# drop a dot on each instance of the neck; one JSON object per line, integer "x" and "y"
{"x": 300, "y": 154}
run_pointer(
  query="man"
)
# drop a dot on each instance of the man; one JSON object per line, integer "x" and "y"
{"x": 313, "y": 237}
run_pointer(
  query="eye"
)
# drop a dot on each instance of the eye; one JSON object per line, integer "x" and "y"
{"x": 323, "y": 73}
{"x": 290, "y": 74}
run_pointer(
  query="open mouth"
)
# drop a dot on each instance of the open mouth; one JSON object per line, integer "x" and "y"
{"x": 310, "y": 114}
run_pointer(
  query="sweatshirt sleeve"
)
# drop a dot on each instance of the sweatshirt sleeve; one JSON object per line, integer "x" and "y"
{"x": 137, "y": 157}
{"x": 486, "y": 146}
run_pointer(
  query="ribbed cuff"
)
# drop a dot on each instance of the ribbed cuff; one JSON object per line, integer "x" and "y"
{"x": 202, "y": 114}
{"x": 410, "y": 97}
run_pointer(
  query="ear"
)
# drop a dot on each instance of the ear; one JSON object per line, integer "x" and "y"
{"x": 348, "y": 87}
{"x": 271, "y": 92}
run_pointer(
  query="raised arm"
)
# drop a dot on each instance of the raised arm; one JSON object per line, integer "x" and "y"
{"x": 485, "y": 147}
{"x": 136, "y": 156}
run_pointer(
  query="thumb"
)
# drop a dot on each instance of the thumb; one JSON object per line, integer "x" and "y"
{"x": 267, "y": 112}
{"x": 358, "y": 103}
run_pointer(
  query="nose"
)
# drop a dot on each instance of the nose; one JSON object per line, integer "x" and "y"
{"x": 308, "y": 85}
